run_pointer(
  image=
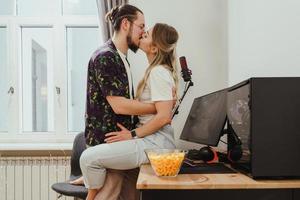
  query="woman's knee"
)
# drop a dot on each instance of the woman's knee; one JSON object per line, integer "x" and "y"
{"x": 86, "y": 158}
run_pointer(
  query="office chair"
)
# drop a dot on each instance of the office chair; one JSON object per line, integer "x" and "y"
{"x": 65, "y": 188}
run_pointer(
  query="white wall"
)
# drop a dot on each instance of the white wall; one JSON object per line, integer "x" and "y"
{"x": 264, "y": 38}
{"x": 203, "y": 40}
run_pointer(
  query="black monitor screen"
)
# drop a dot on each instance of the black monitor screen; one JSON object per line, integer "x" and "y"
{"x": 206, "y": 119}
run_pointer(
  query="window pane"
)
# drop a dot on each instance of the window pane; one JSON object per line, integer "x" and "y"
{"x": 6, "y": 7}
{"x": 38, "y": 7}
{"x": 3, "y": 80}
{"x": 79, "y": 7}
{"x": 37, "y": 78}
{"x": 81, "y": 43}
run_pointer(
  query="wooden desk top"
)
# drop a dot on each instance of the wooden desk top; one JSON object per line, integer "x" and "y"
{"x": 148, "y": 180}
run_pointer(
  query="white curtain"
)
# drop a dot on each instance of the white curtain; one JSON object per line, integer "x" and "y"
{"x": 105, "y": 6}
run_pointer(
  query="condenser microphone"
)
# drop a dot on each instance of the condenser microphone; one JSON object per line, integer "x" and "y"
{"x": 186, "y": 75}
{"x": 185, "y": 71}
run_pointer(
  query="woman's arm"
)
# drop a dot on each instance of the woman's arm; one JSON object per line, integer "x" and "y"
{"x": 162, "y": 117}
{"x": 161, "y": 85}
{"x": 124, "y": 106}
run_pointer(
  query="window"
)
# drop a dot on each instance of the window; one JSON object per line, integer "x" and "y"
{"x": 3, "y": 81}
{"x": 37, "y": 79}
{"x": 78, "y": 59}
{"x": 79, "y": 7}
{"x": 7, "y": 7}
{"x": 44, "y": 55}
{"x": 41, "y": 8}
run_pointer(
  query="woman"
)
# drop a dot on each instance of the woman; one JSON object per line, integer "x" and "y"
{"x": 156, "y": 86}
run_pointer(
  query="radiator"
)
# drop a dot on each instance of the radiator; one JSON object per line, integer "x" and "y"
{"x": 30, "y": 178}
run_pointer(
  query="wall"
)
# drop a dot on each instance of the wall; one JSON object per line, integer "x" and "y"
{"x": 264, "y": 39}
{"x": 203, "y": 40}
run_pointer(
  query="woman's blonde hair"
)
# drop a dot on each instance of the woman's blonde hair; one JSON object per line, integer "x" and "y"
{"x": 165, "y": 38}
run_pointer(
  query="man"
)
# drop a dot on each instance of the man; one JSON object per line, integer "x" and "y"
{"x": 109, "y": 86}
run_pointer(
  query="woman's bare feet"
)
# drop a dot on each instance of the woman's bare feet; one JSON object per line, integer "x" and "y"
{"x": 78, "y": 181}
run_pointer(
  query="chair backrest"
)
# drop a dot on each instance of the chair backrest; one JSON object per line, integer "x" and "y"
{"x": 79, "y": 146}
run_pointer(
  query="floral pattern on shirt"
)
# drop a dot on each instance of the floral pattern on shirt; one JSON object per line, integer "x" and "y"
{"x": 106, "y": 77}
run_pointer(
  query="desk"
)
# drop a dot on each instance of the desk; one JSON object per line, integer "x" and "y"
{"x": 234, "y": 186}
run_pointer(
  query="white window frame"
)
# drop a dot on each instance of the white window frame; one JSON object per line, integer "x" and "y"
{"x": 60, "y": 136}
{"x": 4, "y": 23}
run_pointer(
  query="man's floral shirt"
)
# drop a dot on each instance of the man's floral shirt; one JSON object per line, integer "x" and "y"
{"x": 106, "y": 77}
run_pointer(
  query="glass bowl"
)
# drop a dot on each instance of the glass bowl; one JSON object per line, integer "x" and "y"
{"x": 166, "y": 162}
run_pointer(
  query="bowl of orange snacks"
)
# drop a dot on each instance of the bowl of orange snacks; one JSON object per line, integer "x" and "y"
{"x": 166, "y": 162}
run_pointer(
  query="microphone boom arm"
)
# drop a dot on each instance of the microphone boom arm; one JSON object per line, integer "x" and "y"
{"x": 175, "y": 110}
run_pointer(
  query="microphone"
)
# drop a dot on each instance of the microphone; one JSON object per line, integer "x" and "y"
{"x": 185, "y": 71}
{"x": 186, "y": 75}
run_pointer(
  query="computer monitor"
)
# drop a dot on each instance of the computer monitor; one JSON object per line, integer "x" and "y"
{"x": 206, "y": 120}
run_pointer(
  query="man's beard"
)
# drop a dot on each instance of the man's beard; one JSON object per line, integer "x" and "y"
{"x": 133, "y": 47}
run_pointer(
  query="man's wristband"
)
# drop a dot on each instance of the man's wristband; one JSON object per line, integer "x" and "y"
{"x": 133, "y": 133}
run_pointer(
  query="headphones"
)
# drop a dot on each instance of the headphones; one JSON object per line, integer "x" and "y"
{"x": 235, "y": 153}
{"x": 234, "y": 146}
{"x": 207, "y": 154}
{"x": 234, "y": 150}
